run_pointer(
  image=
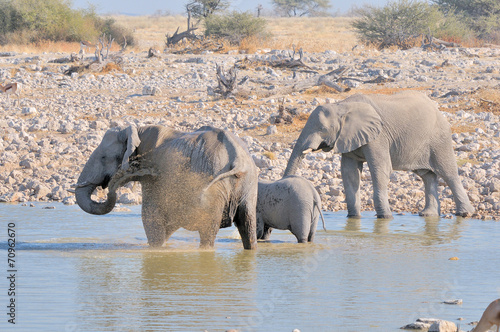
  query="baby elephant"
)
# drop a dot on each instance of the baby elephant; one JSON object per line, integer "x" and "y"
{"x": 290, "y": 203}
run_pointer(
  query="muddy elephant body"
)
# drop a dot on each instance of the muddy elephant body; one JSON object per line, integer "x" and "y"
{"x": 291, "y": 203}
{"x": 404, "y": 131}
{"x": 199, "y": 181}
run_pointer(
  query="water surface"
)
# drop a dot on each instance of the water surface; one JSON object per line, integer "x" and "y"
{"x": 78, "y": 272}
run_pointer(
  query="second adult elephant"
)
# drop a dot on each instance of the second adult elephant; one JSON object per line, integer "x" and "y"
{"x": 199, "y": 181}
{"x": 290, "y": 203}
{"x": 399, "y": 132}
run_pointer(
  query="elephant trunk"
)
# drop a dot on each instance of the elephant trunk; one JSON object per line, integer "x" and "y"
{"x": 294, "y": 161}
{"x": 83, "y": 199}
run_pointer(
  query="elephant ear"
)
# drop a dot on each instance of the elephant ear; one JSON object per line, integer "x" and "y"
{"x": 359, "y": 125}
{"x": 131, "y": 137}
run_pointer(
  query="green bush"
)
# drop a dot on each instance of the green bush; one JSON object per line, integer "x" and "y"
{"x": 28, "y": 21}
{"x": 401, "y": 24}
{"x": 235, "y": 26}
{"x": 482, "y": 16}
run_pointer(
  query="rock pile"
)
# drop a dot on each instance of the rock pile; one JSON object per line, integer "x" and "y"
{"x": 46, "y": 140}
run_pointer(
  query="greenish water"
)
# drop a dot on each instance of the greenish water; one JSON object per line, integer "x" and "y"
{"x": 78, "y": 272}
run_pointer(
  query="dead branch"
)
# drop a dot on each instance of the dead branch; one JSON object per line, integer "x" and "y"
{"x": 226, "y": 81}
{"x": 380, "y": 79}
{"x": 493, "y": 103}
{"x": 290, "y": 63}
{"x": 285, "y": 114}
{"x": 102, "y": 47}
{"x": 152, "y": 52}
{"x": 430, "y": 42}
{"x": 177, "y": 37}
{"x": 199, "y": 46}
{"x": 124, "y": 46}
{"x": 332, "y": 79}
{"x": 491, "y": 45}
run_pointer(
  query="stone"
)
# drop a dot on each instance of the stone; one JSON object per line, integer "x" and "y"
{"x": 128, "y": 198}
{"x": 416, "y": 326}
{"x": 12, "y": 197}
{"x": 41, "y": 191}
{"x": 148, "y": 90}
{"x": 443, "y": 326}
{"x": 29, "y": 111}
{"x": 271, "y": 130}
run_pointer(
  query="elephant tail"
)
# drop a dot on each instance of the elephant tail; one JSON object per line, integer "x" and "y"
{"x": 234, "y": 171}
{"x": 321, "y": 214}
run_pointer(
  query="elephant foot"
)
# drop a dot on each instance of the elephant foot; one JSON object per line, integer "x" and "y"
{"x": 428, "y": 213}
{"x": 354, "y": 216}
{"x": 464, "y": 214}
{"x": 385, "y": 216}
{"x": 465, "y": 211}
{"x": 156, "y": 244}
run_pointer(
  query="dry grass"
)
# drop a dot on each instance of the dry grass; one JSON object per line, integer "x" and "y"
{"x": 150, "y": 31}
{"x": 489, "y": 101}
{"x": 312, "y": 34}
{"x": 45, "y": 46}
{"x": 270, "y": 155}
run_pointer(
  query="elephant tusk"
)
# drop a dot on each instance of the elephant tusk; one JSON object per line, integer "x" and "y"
{"x": 307, "y": 151}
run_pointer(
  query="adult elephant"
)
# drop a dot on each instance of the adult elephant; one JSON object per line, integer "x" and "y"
{"x": 404, "y": 131}
{"x": 199, "y": 181}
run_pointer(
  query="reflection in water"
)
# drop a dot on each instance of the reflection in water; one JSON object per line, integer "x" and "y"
{"x": 198, "y": 286}
{"x": 78, "y": 273}
{"x": 180, "y": 289}
{"x": 381, "y": 226}
{"x": 353, "y": 225}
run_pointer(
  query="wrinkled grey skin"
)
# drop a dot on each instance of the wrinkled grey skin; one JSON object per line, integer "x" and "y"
{"x": 405, "y": 131}
{"x": 199, "y": 181}
{"x": 290, "y": 203}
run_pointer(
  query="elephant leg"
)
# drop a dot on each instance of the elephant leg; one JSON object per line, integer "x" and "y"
{"x": 430, "y": 180}
{"x": 351, "y": 177}
{"x": 246, "y": 222}
{"x": 267, "y": 233}
{"x": 380, "y": 170}
{"x": 208, "y": 235}
{"x": 301, "y": 232}
{"x": 448, "y": 170}
{"x": 210, "y": 223}
{"x": 312, "y": 231}
{"x": 156, "y": 227}
{"x": 463, "y": 206}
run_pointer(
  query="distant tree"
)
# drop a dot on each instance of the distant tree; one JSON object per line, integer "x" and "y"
{"x": 201, "y": 9}
{"x": 483, "y": 16}
{"x": 300, "y": 7}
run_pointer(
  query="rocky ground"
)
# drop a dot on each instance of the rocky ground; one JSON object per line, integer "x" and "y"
{"x": 46, "y": 138}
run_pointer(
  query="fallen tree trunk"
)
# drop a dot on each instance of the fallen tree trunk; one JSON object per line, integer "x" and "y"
{"x": 332, "y": 80}
{"x": 430, "y": 42}
{"x": 177, "y": 37}
{"x": 290, "y": 62}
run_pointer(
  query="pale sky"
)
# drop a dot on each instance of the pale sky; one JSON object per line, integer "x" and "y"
{"x": 148, "y": 7}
